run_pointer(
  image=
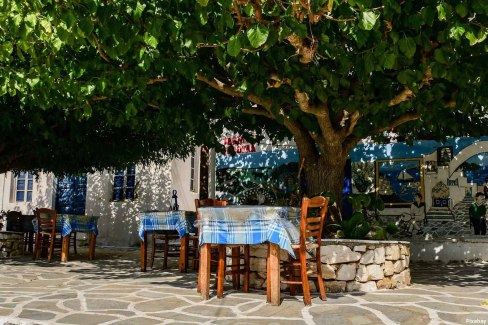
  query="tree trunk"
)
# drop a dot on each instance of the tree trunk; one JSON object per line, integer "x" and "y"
{"x": 326, "y": 174}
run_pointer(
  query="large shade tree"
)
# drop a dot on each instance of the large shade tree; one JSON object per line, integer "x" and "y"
{"x": 326, "y": 72}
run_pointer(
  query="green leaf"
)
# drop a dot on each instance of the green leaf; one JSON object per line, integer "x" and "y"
{"x": 86, "y": 26}
{"x": 440, "y": 56}
{"x": 461, "y": 10}
{"x": 283, "y": 32}
{"x": 257, "y": 35}
{"x": 407, "y": 46}
{"x": 150, "y": 40}
{"x": 234, "y": 46}
{"x": 389, "y": 61}
{"x": 130, "y": 110}
{"x": 367, "y": 20}
{"x": 203, "y": 3}
{"x": 57, "y": 43}
{"x": 442, "y": 11}
{"x": 408, "y": 77}
{"x": 31, "y": 19}
{"x": 456, "y": 32}
{"x": 474, "y": 39}
{"x": 139, "y": 9}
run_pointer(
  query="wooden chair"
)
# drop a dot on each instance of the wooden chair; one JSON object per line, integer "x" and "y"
{"x": 312, "y": 218}
{"x": 47, "y": 239}
{"x": 194, "y": 238}
{"x": 214, "y": 259}
{"x": 170, "y": 248}
{"x": 236, "y": 268}
{"x": 15, "y": 222}
{"x": 46, "y": 232}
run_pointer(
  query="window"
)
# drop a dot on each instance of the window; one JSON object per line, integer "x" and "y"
{"x": 23, "y": 187}
{"x": 193, "y": 173}
{"x": 124, "y": 184}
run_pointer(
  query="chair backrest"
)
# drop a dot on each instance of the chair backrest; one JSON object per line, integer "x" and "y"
{"x": 312, "y": 218}
{"x": 15, "y": 221}
{"x": 46, "y": 220}
{"x": 209, "y": 203}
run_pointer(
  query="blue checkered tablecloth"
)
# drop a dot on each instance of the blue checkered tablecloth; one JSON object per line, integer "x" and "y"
{"x": 68, "y": 223}
{"x": 250, "y": 225}
{"x": 181, "y": 221}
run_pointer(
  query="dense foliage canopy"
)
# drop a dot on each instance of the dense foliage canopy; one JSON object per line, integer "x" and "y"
{"x": 175, "y": 72}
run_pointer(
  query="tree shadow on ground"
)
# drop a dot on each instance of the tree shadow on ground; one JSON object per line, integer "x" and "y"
{"x": 467, "y": 274}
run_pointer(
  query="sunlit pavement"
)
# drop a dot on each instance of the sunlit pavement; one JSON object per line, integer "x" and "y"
{"x": 112, "y": 290}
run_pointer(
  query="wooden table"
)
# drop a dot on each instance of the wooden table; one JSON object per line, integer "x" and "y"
{"x": 234, "y": 225}
{"x": 174, "y": 220}
{"x": 78, "y": 223}
{"x": 68, "y": 223}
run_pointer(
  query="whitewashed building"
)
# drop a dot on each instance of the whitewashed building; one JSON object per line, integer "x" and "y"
{"x": 116, "y": 197}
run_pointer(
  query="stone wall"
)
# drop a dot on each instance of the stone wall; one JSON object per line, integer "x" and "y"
{"x": 349, "y": 265}
{"x": 11, "y": 244}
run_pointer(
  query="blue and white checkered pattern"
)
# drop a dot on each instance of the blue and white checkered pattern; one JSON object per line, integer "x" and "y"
{"x": 181, "y": 221}
{"x": 68, "y": 223}
{"x": 249, "y": 225}
{"x": 79, "y": 223}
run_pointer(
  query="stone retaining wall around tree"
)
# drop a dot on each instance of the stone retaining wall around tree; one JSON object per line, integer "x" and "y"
{"x": 11, "y": 244}
{"x": 349, "y": 265}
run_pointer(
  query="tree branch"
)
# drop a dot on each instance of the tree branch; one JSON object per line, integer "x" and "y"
{"x": 407, "y": 93}
{"x": 258, "y": 10}
{"x": 407, "y": 117}
{"x": 255, "y": 111}
{"x": 306, "y": 51}
{"x": 231, "y": 91}
{"x": 156, "y": 80}
{"x": 100, "y": 50}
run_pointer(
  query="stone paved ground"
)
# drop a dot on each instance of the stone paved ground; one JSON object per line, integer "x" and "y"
{"x": 111, "y": 290}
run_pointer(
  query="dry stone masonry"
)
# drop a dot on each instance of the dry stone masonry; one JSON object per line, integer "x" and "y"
{"x": 11, "y": 244}
{"x": 349, "y": 265}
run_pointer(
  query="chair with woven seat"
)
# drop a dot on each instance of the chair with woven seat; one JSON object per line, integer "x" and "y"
{"x": 295, "y": 272}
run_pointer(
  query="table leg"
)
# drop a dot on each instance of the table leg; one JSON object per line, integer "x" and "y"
{"x": 65, "y": 249}
{"x": 93, "y": 241}
{"x": 204, "y": 274}
{"x": 183, "y": 260}
{"x": 144, "y": 252}
{"x": 273, "y": 276}
{"x": 30, "y": 242}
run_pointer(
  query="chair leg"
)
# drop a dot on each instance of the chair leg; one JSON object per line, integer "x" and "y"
{"x": 153, "y": 251}
{"x": 246, "y": 267}
{"x": 320, "y": 280}
{"x": 37, "y": 248}
{"x": 291, "y": 275}
{"x": 165, "y": 250}
{"x": 74, "y": 242}
{"x": 51, "y": 249}
{"x": 307, "y": 299}
{"x": 195, "y": 254}
{"x": 221, "y": 272}
{"x": 236, "y": 260}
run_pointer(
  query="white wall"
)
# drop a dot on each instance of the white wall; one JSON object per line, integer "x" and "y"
{"x": 42, "y": 193}
{"x": 180, "y": 181}
{"x": 118, "y": 223}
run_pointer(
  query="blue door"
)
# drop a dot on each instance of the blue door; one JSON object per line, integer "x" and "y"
{"x": 71, "y": 195}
